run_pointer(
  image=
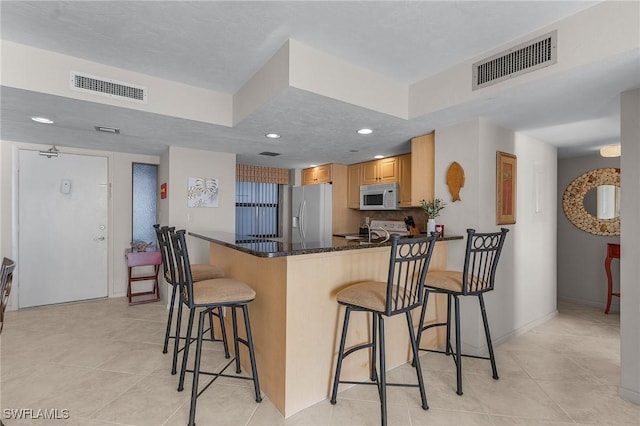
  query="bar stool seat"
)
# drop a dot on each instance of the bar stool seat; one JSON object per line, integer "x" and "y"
{"x": 201, "y": 272}
{"x": 222, "y": 291}
{"x": 371, "y": 295}
{"x": 400, "y": 294}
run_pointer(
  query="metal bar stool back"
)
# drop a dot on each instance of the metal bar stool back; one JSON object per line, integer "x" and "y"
{"x": 204, "y": 272}
{"x": 400, "y": 294}
{"x": 205, "y": 296}
{"x": 6, "y": 278}
{"x": 477, "y": 277}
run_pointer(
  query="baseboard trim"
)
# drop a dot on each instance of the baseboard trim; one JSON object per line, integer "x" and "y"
{"x": 484, "y": 350}
{"x": 629, "y": 395}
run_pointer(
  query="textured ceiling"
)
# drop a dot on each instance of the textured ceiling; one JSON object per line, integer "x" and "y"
{"x": 220, "y": 45}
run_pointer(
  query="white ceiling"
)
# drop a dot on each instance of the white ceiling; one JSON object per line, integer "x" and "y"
{"x": 220, "y": 45}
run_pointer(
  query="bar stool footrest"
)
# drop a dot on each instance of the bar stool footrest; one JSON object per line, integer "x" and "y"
{"x": 350, "y": 382}
{"x": 437, "y": 351}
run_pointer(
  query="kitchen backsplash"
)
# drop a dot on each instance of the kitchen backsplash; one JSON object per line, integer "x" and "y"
{"x": 418, "y": 216}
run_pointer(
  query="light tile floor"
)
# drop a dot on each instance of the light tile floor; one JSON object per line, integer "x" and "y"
{"x": 102, "y": 361}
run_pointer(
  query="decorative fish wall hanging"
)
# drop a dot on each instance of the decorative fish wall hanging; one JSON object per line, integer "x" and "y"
{"x": 455, "y": 180}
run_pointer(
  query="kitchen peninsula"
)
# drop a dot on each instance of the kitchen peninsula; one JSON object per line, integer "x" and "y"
{"x": 295, "y": 318}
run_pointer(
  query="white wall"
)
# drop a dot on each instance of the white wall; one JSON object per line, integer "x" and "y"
{"x": 185, "y": 163}
{"x": 630, "y": 246}
{"x": 120, "y": 166}
{"x": 581, "y": 276}
{"x": 473, "y": 145}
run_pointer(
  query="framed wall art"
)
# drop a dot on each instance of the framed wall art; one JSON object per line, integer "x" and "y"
{"x": 506, "y": 185}
{"x": 202, "y": 192}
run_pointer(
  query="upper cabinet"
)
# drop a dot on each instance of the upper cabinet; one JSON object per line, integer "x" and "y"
{"x": 414, "y": 172}
{"x": 384, "y": 170}
{"x": 353, "y": 191}
{"x": 404, "y": 181}
{"x": 319, "y": 174}
{"x": 419, "y": 168}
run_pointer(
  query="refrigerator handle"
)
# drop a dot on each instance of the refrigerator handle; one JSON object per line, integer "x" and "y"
{"x": 303, "y": 206}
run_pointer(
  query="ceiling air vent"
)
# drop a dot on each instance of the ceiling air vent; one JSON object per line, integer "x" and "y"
{"x": 521, "y": 59}
{"x": 270, "y": 154}
{"x": 108, "y": 87}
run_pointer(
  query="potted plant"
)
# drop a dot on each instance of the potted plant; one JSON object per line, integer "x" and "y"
{"x": 432, "y": 210}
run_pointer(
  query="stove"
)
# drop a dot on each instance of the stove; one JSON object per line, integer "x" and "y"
{"x": 393, "y": 227}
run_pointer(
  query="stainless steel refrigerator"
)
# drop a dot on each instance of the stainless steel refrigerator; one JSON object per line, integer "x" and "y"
{"x": 311, "y": 213}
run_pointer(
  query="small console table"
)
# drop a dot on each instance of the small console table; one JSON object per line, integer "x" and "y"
{"x": 139, "y": 259}
{"x": 613, "y": 252}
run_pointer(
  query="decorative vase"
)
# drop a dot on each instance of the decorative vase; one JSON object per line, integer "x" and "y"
{"x": 431, "y": 226}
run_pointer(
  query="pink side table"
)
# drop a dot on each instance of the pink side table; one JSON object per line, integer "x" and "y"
{"x": 143, "y": 258}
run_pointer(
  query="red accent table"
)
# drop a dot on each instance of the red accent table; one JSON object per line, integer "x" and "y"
{"x": 613, "y": 252}
{"x": 143, "y": 258}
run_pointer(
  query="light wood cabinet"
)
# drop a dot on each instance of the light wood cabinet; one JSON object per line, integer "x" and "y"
{"x": 353, "y": 189}
{"x": 414, "y": 172}
{"x": 384, "y": 170}
{"x": 315, "y": 175}
{"x": 404, "y": 181}
{"x": 421, "y": 168}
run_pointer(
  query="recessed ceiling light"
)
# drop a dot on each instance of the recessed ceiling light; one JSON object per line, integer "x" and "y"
{"x": 365, "y": 131}
{"x": 610, "y": 151}
{"x": 272, "y": 135}
{"x": 377, "y": 157}
{"x": 42, "y": 120}
{"x": 107, "y": 129}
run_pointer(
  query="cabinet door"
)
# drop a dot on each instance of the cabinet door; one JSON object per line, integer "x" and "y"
{"x": 388, "y": 170}
{"x": 404, "y": 180}
{"x": 369, "y": 173}
{"x": 323, "y": 174}
{"x": 353, "y": 188}
{"x": 308, "y": 176}
{"x": 423, "y": 168}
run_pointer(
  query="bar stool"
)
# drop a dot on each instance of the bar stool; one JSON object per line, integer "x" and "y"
{"x": 403, "y": 292}
{"x": 6, "y": 278}
{"x": 206, "y": 296}
{"x": 200, "y": 272}
{"x": 477, "y": 277}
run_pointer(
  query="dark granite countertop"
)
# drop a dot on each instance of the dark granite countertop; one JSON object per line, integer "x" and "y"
{"x": 262, "y": 247}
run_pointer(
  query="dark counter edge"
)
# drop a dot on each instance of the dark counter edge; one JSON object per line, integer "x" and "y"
{"x": 347, "y": 245}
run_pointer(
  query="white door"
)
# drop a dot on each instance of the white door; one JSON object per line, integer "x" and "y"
{"x": 62, "y": 228}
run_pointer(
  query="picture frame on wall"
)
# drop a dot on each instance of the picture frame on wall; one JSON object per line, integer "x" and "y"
{"x": 506, "y": 188}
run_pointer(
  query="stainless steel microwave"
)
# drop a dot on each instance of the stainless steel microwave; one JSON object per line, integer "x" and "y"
{"x": 383, "y": 196}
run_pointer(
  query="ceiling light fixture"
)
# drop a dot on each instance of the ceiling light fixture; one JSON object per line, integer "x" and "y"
{"x": 107, "y": 129}
{"x": 610, "y": 150}
{"x": 365, "y": 131}
{"x": 313, "y": 165}
{"x": 43, "y": 120}
{"x": 51, "y": 152}
{"x": 377, "y": 157}
{"x": 272, "y": 135}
